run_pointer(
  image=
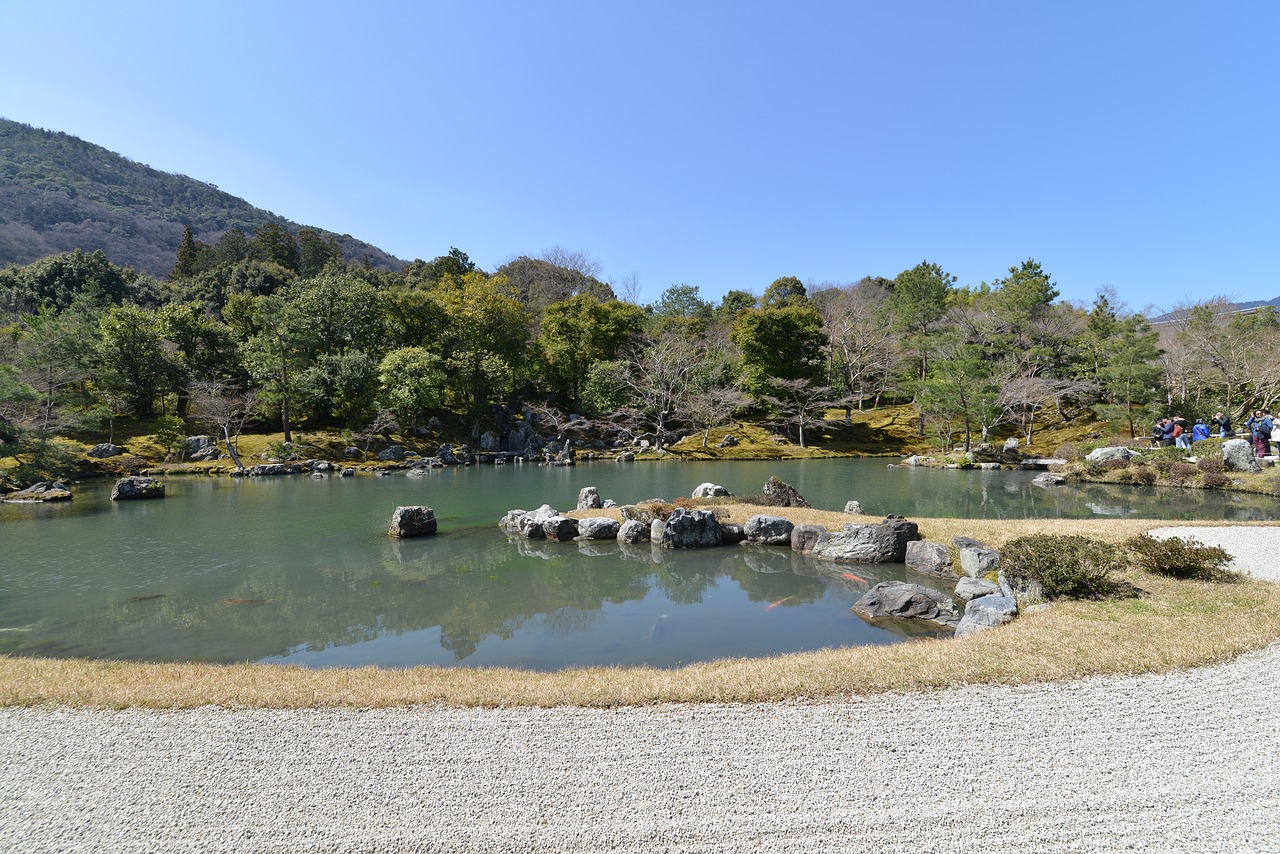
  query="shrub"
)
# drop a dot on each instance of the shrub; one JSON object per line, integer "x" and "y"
{"x": 1069, "y": 452}
{"x": 1183, "y": 471}
{"x": 1071, "y": 567}
{"x": 1211, "y": 464}
{"x": 1141, "y": 476}
{"x": 1181, "y": 558}
{"x": 1214, "y": 480}
{"x": 1162, "y": 464}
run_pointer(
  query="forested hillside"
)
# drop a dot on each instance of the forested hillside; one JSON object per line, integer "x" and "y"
{"x": 59, "y": 193}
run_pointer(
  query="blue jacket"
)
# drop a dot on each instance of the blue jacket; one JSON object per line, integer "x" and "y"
{"x": 1200, "y": 431}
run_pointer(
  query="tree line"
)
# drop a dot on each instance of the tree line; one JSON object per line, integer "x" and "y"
{"x": 277, "y": 327}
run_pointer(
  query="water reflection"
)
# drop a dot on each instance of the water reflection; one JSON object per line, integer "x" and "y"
{"x": 301, "y": 570}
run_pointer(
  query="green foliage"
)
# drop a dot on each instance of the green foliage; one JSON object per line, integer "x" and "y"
{"x": 170, "y": 432}
{"x": 411, "y": 382}
{"x": 582, "y": 331}
{"x": 1067, "y": 566}
{"x": 783, "y": 292}
{"x": 779, "y": 343}
{"x": 1211, "y": 463}
{"x": 1181, "y": 558}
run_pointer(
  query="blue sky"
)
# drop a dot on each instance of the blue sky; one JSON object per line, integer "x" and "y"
{"x": 718, "y": 144}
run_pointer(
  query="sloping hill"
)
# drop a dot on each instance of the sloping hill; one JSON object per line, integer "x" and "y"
{"x": 59, "y": 193}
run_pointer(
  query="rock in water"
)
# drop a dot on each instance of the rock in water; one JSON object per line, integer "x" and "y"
{"x": 589, "y": 498}
{"x": 768, "y": 530}
{"x": 43, "y": 491}
{"x": 130, "y": 488}
{"x": 907, "y": 601}
{"x": 929, "y": 558}
{"x": 689, "y": 529}
{"x": 414, "y": 521}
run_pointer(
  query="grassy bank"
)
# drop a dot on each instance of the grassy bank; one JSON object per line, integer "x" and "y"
{"x": 1172, "y": 624}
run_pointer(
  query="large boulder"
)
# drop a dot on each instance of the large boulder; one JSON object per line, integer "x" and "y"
{"x": 805, "y": 537}
{"x": 971, "y": 588}
{"x": 132, "y": 488}
{"x": 929, "y": 558}
{"x": 986, "y": 612}
{"x": 104, "y": 450}
{"x": 853, "y": 508}
{"x": 527, "y": 523}
{"x": 560, "y": 528}
{"x": 778, "y": 493}
{"x": 1025, "y": 591}
{"x": 885, "y": 542}
{"x": 977, "y": 561}
{"x": 1237, "y": 455}
{"x": 732, "y": 534}
{"x": 415, "y": 521}
{"x": 632, "y": 531}
{"x": 394, "y": 453}
{"x": 589, "y": 498}
{"x": 710, "y": 490}
{"x": 639, "y": 513}
{"x": 489, "y": 442}
{"x": 768, "y": 530}
{"x": 1118, "y": 452}
{"x": 689, "y": 529}
{"x": 45, "y": 490}
{"x": 205, "y": 455}
{"x": 268, "y": 469}
{"x": 729, "y": 441}
{"x": 907, "y": 601}
{"x": 598, "y": 528}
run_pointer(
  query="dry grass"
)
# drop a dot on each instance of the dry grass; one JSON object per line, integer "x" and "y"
{"x": 1172, "y": 624}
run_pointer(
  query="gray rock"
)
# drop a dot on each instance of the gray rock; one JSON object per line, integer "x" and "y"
{"x": 489, "y": 441}
{"x": 589, "y": 498}
{"x": 104, "y": 450}
{"x": 929, "y": 558}
{"x": 710, "y": 490}
{"x": 1025, "y": 591}
{"x": 268, "y": 470}
{"x": 977, "y": 561}
{"x": 348, "y": 473}
{"x": 732, "y": 534}
{"x": 395, "y": 452}
{"x": 1237, "y": 455}
{"x": 510, "y": 521}
{"x": 529, "y": 525}
{"x": 971, "y": 588}
{"x": 689, "y": 529}
{"x": 133, "y": 488}
{"x": 195, "y": 444}
{"x": 446, "y": 455}
{"x": 45, "y": 490}
{"x": 415, "y": 521}
{"x": 632, "y": 531}
{"x": 638, "y": 513}
{"x": 657, "y": 531}
{"x": 416, "y": 472}
{"x": 986, "y": 612}
{"x": 1118, "y": 452}
{"x": 560, "y": 528}
{"x": 988, "y": 466}
{"x": 857, "y": 543}
{"x": 907, "y": 601}
{"x": 768, "y": 530}
{"x": 608, "y": 504}
{"x": 967, "y": 542}
{"x": 778, "y": 493}
{"x": 853, "y": 508}
{"x": 805, "y": 537}
{"x": 205, "y": 455}
{"x": 729, "y": 441}
{"x": 1011, "y": 444}
{"x": 625, "y": 457}
{"x": 598, "y": 528}
{"x": 913, "y": 460}
{"x": 322, "y": 465}
{"x": 352, "y": 453}
{"x": 1049, "y": 479}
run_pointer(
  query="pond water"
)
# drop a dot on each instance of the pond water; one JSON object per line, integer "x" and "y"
{"x": 300, "y": 570}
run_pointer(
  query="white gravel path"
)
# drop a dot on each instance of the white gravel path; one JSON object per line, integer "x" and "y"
{"x": 1180, "y": 762}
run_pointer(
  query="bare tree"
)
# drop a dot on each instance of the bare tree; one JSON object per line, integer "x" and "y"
{"x": 796, "y": 400}
{"x": 573, "y": 259}
{"x": 658, "y": 379}
{"x": 708, "y": 408}
{"x": 225, "y": 407}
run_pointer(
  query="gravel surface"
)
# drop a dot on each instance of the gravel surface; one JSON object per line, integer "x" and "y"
{"x": 1187, "y": 761}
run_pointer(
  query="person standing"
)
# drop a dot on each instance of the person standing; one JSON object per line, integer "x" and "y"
{"x": 1223, "y": 423}
{"x": 1181, "y": 432}
{"x": 1199, "y": 431}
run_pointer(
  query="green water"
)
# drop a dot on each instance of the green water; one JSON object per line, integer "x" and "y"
{"x": 300, "y": 570}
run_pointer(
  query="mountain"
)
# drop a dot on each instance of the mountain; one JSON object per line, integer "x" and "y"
{"x": 1180, "y": 314}
{"x": 59, "y": 193}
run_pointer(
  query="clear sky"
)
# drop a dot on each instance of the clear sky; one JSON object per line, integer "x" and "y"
{"x": 718, "y": 144}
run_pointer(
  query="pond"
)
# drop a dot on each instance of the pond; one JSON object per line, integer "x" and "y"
{"x": 300, "y": 570}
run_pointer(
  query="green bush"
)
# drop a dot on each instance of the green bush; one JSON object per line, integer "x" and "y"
{"x": 1162, "y": 464}
{"x": 1183, "y": 471}
{"x": 1067, "y": 566}
{"x": 1181, "y": 558}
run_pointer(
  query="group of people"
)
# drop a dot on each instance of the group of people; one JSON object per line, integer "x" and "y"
{"x": 1177, "y": 431}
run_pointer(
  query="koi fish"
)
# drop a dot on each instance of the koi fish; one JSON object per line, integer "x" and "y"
{"x": 779, "y": 602}
{"x": 133, "y": 599}
{"x": 245, "y": 601}
{"x": 852, "y": 577}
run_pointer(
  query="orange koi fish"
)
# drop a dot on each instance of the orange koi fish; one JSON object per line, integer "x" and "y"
{"x": 779, "y": 602}
{"x": 852, "y": 577}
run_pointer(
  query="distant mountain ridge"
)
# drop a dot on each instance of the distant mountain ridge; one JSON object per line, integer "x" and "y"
{"x": 59, "y": 193}
{"x": 1179, "y": 314}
